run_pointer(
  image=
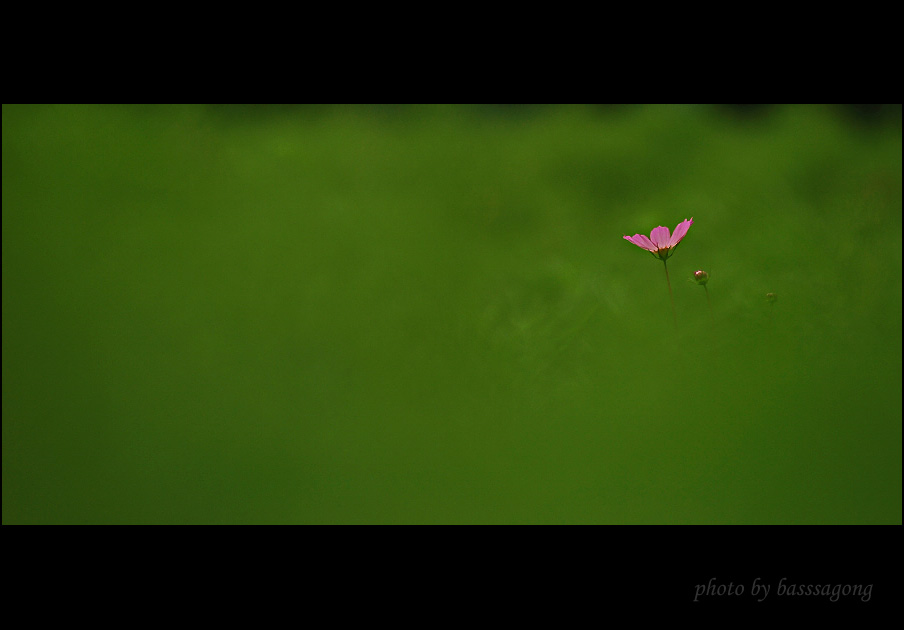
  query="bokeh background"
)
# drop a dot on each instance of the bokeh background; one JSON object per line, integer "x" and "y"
{"x": 428, "y": 314}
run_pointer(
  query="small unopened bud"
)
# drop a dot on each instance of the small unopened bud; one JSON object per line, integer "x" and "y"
{"x": 770, "y": 297}
{"x": 701, "y": 277}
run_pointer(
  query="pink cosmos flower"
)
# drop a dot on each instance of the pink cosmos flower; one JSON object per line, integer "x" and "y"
{"x": 660, "y": 244}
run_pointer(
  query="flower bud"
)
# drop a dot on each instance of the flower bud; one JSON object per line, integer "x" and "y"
{"x": 770, "y": 297}
{"x": 701, "y": 277}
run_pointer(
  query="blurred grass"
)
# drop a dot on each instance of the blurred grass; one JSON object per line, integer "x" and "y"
{"x": 428, "y": 315}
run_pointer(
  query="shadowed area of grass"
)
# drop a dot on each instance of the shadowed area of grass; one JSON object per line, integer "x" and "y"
{"x": 429, "y": 315}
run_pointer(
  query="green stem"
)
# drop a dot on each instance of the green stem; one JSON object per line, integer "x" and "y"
{"x": 671, "y": 297}
{"x": 710, "y": 305}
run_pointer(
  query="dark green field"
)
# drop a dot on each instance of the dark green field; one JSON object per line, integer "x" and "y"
{"x": 429, "y": 315}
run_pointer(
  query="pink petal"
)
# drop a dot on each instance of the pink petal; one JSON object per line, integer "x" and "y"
{"x": 660, "y": 237}
{"x": 641, "y": 241}
{"x": 680, "y": 231}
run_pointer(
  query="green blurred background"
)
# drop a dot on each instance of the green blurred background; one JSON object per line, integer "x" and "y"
{"x": 428, "y": 314}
